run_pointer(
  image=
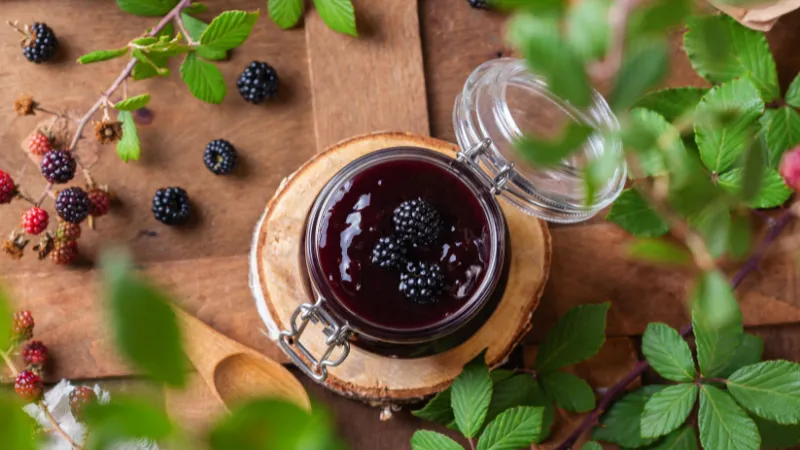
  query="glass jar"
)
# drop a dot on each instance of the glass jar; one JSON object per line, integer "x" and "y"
{"x": 357, "y": 303}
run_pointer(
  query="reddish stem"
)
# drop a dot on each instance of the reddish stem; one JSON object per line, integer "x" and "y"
{"x": 618, "y": 389}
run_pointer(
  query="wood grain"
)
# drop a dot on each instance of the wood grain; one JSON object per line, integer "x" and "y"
{"x": 372, "y": 83}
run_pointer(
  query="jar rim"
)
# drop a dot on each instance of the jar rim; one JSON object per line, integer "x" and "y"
{"x": 447, "y": 325}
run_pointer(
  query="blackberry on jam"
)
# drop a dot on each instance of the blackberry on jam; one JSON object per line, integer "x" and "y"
{"x": 389, "y": 253}
{"x": 171, "y": 206}
{"x": 258, "y": 82}
{"x": 58, "y": 166}
{"x": 417, "y": 221}
{"x": 421, "y": 282}
{"x": 72, "y": 205}
{"x": 220, "y": 157}
{"x": 42, "y": 43}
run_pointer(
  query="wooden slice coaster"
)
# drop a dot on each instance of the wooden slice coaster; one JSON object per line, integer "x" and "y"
{"x": 277, "y": 279}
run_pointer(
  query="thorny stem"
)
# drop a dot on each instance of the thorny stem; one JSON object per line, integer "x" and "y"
{"x": 11, "y": 366}
{"x": 56, "y": 426}
{"x": 615, "y": 391}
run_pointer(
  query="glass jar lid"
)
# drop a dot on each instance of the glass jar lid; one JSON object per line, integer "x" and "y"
{"x": 501, "y": 101}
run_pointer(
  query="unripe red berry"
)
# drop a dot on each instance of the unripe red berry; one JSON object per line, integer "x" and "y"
{"x": 29, "y": 386}
{"x": 790, "y": 168}
{"x": 79, "y": 399}
{"x": 40, "y": 144}
{"x": 7, "y": 188}
{"x": 22, "y": 326}
{"x": 35, "y": 354}
{"x": 100, "y": 202}
{"x": 35, "y": 220}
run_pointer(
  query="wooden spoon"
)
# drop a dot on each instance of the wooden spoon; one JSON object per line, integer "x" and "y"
{"x": 233, "y": 371}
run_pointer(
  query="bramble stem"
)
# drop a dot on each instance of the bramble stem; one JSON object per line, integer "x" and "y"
{"x": 9, "y": 363}
{"x": 615, "y": 391}
{"x": 54, "y": 422}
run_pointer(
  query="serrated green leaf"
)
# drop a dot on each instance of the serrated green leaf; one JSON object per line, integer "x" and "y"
{"x": 500, "y": 375}
{"x": 145, "y": 326}
{"x": 577, "y": 335}
{"x": 659, "y": 251}
{"x": 621, "y": 424}
{"x": 5, "y": 320}
{"x": 656, "y": 142}
{"x": 592, "y": 445}
{"x": 644, "y": 67}
{"x": 770, "y": 389}
{"x": 587, "y": 35}
{"x": 128, "y": 147}
{"x": 438, "y": 409}
{"x": 19, "y": 431}
{"x": 782, "y": 130}
{"x": 774, "y": 436}
{"x": 772, "y": 193}
{"x": 631, "y": 212}
{"x": 195, "y": 28}
{"x": 125, "y": 417}
{"x": 541, "y": 152}
{"x": 655, "y": 17}
{"x": 668, "y": 353}
{"x": 470, "y": 398}
{"x": 519, "y": 390}
{"x": 203, "y": 78}
{"x": 714, "y": 225}
{"x": 133, "y": 103}
{"x": 750, "y": 47}
{"x": 750, "y": 351}
{"x": 667, "y": 410}
{"x": 431, "y": 440}
{"x": 144, "y": 69}
{"x": 740, "y": 237}
{"x": 102, "y": 55}
{"x": 285, "y": 13}
{"x": 552, "y": 57}
{"x": 568, "y": 391}
{"x": 672, "y": 103}
{"x": 228, "y": 30}
{"x": 723, "y": 424}
{"x": 716, "y": 340}
{"x": 793, "y": 93}
{"x": 338, "y": 15}
{"x": 147, "y": 7}
{"x": 682, "y": 439}
{"x": 516, "y": 428}
{"x": 721, "y": 146}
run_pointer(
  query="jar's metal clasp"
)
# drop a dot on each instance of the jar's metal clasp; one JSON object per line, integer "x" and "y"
{"x": 470, "y": 157}
{"x": 337, "y": 336}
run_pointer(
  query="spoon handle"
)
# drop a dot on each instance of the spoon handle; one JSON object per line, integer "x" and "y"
{"x": 204, "y": 346}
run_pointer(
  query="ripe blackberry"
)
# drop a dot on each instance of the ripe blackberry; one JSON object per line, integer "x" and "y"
{"x": 58, "y": 166}
{"x": 171, "y": 206}
{"x": 389, "y": 253}
{"x": 67, "y": 231}
{"x": 417, "y": 221}
{"x": 79, "y": 399}
{"x": 29, "y": 386}
{"x": 421, "y": 282}
{"x": 72, "y": 205}
{"x": 479, "y": 4}
{"x": 99, "y": 202}
{"x": 35, "y": 354}
{"x": 22, "y": 326}
{"x": 220, "y": 157}
{"x": 258, "y": 82}
{"x": 42, "y": 44}
{"x": 64, "y": 252}
{"x": 40, "y": 144}
{"x": 7, "y": 188}
{"x": 35, "y": 220}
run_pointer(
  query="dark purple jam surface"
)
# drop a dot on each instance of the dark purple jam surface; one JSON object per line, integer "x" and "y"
{"x": 362, "y": 213}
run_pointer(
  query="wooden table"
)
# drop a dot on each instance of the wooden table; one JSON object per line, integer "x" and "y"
{"x": 402, "y": 74}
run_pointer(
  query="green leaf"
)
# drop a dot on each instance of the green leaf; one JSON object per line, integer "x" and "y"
{"x": 672, "y": 103}
{"x": 770, "y": 389}
{"x": 128, "y": 147}
{"x": 577, "y": 335}
{"x": 659, "y": 251}
{"x": 195, "y": 28}
{"x": 519, "y": 390}
{"x": 668, "y": 353}
{"x": 542, "y": 152}
{"x": 655, "y": 17}
{"x": 5, "y": 321}
{"x": 772, "y": 193}
{"x": 723, "y": 425}
{"x": 714, "y": 226}
{"x": 438, "y": 409}
{"x": 568, "y": 391}
{"x": 717, "y": 342}
{"x": 144, "y": 323}
{"x": 431, "y": 440}
{"x": 775, "y": 436}
{"x": 338, "y": 15}
{"x": 204, "y": 79}
{"x": 285, "y": 13}
{"x": 750, "y": 351}
{"x": 681, "y": 439}
{"x": 643, "y": 68}
{"x": 634, "y": 215}
{"x": 17, "y": 428}
{"x": 228, "y": 30}
{"x": 622, "y": 423}
{"x": 125, "y": 417}
{"x": 793, "y": 93}
{"x": 516, "y": 428}
{"x": 133, "y": 103}
{"x": 102, "y": 55}
{"x": 714, "y": 297}
{"x": 740, "y": 237}
{"x": 667, "y": 410}
{"x": 750, "y": 47}
{"x": 657, "y": 144}
{"x": 783, "y": 132}
{"x": 147, "y": 7}
{"x": 471, "y": 394}
{"x": 196, "y": 8}
{"x": 592, "y": 445}
{"x": 721, "y": 146}
{"x": 552, "y": 57}
{"x": 149, "y": 65}
{"x": 587, "y": 35}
